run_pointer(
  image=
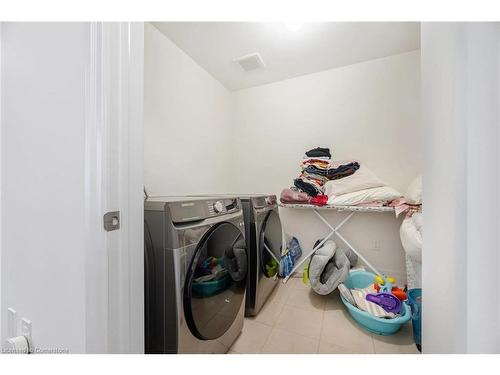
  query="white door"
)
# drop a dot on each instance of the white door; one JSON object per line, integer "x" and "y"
{"x": 71, "y": 150}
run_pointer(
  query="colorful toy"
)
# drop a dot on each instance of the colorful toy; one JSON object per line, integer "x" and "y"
{"x": 387, "y": 301}
{"x": 305, "y": 274}
{"x": 382, "y": 279}
{"x": 398, "y": 292}
{"x": 385, "y": 284}
{"x": 212, "y": 262}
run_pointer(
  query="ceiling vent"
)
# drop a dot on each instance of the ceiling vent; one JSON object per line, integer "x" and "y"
{"x": 250, "y": 62}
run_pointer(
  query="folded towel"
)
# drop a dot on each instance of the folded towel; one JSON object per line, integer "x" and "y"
{"x": 291, "y": 196}
{"x": 359, "y": 296}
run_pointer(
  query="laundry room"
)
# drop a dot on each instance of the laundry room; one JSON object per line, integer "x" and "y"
{"x": 313, "y": 131}
{"x": 250, "y": 188}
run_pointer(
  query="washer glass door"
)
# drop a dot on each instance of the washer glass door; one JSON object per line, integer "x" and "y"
{"x": 270, "y": 245}
{"x": 215, "y": 282}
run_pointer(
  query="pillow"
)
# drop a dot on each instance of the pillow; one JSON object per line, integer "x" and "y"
{"x": 383, "y": 193}
{"x": 414, "y": 193}
{"x": 362, "y": 179}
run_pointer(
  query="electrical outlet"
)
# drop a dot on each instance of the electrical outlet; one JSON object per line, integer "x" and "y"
{"x": 376, "y": 245}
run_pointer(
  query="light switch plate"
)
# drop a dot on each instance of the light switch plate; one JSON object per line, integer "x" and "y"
{"x": 26, "y": 331}
{"x": 11, "y": 322}
{"x": 26, "y": 327}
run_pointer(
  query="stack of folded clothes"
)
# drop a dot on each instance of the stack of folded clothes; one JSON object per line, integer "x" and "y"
{"x": 318, "y": 169}
{"x": 315, "y": 165}
{"x": 339, "y": 183}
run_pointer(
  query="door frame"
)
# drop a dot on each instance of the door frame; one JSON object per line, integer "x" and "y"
{"x": 114, "y": 182}
{"x": 1, "y": 127}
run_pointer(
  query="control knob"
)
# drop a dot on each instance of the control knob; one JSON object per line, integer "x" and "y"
{"x": 218, "y": 207}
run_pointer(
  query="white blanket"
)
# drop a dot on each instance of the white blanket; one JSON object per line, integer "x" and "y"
{"x": 411, "y": 238}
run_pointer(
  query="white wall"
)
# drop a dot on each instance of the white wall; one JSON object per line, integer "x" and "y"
{"x": 461, "y": 93}
{"x": 186, "y": 122}
{"x": 367, "y": 111}
{"x": 43, "y": 258}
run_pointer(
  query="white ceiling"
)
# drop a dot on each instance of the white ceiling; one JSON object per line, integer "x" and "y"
{"x": 312, "y": 48}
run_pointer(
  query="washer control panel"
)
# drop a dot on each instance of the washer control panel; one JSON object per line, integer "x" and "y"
{"x": 196, "y": 210}
{"x": 222, "y": 206}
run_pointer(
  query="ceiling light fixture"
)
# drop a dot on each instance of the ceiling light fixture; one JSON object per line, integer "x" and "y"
{"x": 294, "y": 26}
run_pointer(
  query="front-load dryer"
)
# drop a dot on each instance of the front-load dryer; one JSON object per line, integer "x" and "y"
{"x": 195, "y": 274}
{"x": 264, "y": 239}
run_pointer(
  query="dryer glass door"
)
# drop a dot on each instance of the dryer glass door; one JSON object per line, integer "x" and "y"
{"x": 215, "y": 283}
{"x": 270, "y": 245}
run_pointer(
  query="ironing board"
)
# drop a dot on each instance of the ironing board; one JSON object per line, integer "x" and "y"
{"x": 333, "y": 230}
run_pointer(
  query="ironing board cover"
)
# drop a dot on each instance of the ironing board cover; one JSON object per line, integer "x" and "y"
{"x": 338, "y": 208}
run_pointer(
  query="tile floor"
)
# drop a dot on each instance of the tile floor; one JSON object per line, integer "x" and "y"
{"x": 297, "y": 320}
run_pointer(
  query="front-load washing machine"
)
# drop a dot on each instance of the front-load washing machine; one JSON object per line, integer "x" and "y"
{"x": 264, "y": 239}
{"x": 195, "y": 274}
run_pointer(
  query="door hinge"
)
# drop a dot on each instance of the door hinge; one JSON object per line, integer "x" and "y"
{"x": 112, "y": 221}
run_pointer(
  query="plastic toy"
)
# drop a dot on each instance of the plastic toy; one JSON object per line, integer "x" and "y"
{"x": 387, "y": 301}
{"x": 398, "y": 292}
{"x": 305, "y": 275}
{"x": 381, "y": 279}
{"x": 385, "y": 282}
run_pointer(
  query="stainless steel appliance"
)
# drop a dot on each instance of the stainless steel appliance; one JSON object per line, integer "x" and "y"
{"x": 264, "y": 242}
{"x": 195, "y": 274}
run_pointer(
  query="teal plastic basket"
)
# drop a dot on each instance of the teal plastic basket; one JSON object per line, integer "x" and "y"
{"x": 210, "y": 288}
{"x": 380, "y": 326}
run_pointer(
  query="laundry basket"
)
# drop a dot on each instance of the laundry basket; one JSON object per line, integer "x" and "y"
{"x": 210, "y": 288}
{"x": 380, "y": 326}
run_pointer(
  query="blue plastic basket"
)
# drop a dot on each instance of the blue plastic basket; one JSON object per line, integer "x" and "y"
{"x": 415, "y": 299}
{"x": 210, "y": 288}
{"x": 380, "y": 326}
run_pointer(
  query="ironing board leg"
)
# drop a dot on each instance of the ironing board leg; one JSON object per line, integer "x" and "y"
{"x": 333, "y": 231}
{"x": 347, "y": 218}
{"x": 346, "y": 242}
{"x": 271, "y": 253}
